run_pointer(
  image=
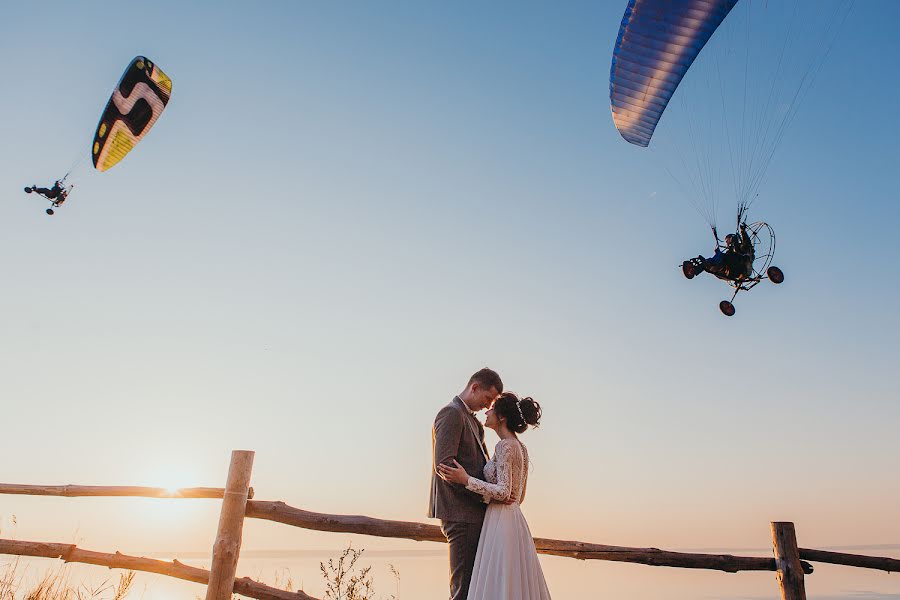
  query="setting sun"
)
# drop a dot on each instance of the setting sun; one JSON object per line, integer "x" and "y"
{"x": 172, "y": 482}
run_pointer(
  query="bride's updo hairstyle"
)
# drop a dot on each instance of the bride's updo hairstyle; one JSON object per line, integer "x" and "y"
{"x": 519, "y": 414}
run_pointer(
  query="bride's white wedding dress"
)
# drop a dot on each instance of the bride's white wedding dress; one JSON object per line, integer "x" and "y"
{"x": 506, "y": 565}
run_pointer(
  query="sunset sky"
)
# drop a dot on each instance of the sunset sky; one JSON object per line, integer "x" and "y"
{"x": 347, "y": 209}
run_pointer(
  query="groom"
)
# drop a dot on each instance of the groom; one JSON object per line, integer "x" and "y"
{"x": 457, "y": 434}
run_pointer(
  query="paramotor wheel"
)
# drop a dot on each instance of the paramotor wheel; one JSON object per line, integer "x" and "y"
{"x": 727, "y": 308}
{"x": 49, "y": 211}
{"x": 28, "y": 190}
{"x": 775, "y": 274}
{"x": 688, "y": 269}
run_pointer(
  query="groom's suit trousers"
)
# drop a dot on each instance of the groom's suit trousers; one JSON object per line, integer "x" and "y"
{"x": 463, "y": 541}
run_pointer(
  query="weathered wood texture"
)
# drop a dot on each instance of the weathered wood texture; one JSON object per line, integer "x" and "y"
{"x": 787, "y": 558}
{"x": 882, "y": 563}
{"x": 71, "y": 553}
{"x": 72, "y": 491}
{"x": 282, "y": 513}
{"x": 227, "y": 547}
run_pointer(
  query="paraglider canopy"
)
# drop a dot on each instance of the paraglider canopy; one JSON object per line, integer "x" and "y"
{"x": 657, "y": 44}
{"x": 730, "y": 76}
{"x": 135, "y": 105}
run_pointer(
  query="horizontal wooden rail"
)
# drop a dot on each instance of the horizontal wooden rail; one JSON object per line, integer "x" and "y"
{"x": 72, "y": 491}
{"x": 71, "y": 553}
{"x": 282, "y": 513}
{"x": 882, "y": 563}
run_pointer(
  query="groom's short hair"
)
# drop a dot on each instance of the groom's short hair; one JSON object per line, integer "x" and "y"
{"x": 487, "y": 378}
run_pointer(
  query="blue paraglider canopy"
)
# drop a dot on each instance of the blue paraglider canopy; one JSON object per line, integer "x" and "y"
{"x": 657, "y": 44}
{"x": 738, "y": 73}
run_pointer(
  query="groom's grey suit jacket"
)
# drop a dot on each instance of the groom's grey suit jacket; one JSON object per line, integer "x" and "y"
{"x": 457, "y": 434}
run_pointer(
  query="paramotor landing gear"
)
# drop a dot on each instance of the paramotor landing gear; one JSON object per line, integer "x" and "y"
{"x": 693, "y": 267}
{"x": 758, "y": 266}
{"x": 57, "y": 202}
{"x": 775, "y": 275}
{"x": 55, "y": 195}
{"x": 727, "y": 308}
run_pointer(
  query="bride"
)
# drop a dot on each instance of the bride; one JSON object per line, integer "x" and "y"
{"x": 506, "y": 565}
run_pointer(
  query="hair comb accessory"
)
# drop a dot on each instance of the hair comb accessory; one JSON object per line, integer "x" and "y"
{"x": 519, "y": 406}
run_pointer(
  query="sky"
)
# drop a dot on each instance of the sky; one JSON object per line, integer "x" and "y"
{"x": 346, "y": 209}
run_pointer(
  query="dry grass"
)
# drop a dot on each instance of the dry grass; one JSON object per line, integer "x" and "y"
{"x": 344, "y": 580}
{"x": 56, "y": 584}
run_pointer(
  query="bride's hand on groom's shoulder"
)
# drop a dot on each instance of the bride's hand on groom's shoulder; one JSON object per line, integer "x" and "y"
{"x": 454, "y": 473}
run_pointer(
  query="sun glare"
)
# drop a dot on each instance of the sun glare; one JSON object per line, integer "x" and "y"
{"x": 172, "y": 482}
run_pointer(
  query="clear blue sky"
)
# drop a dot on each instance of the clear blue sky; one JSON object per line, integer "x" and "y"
{"x": 348, "y": 208}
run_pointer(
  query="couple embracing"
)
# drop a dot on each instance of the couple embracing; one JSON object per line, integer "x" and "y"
{"x": 478, "y": 497}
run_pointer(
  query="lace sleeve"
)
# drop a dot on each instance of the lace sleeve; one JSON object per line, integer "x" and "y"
{"x": 502, "y": 490}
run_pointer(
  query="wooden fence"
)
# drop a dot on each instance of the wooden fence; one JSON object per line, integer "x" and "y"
{"x": 789, "y": 561}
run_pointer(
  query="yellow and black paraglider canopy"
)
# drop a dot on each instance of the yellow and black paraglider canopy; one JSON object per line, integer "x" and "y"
{"x": 135, "y": 105}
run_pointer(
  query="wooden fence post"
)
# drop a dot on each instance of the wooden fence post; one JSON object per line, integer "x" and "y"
{"x": 227, "y": 546}
{"x": 787, "y": 561}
